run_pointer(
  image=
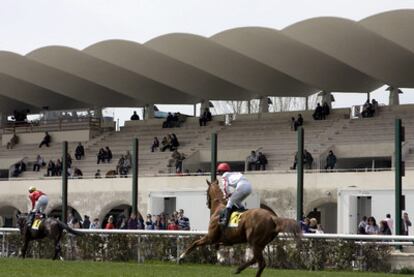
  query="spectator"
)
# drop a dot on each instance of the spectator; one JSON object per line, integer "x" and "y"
{"x": 95, "y": 224}
{"x": 168, "y": 121}
{"x": 123, "y": 223}
{"x": 133, "y": 222}
{"x": 318, "y": 113}
{"x": 126, "y": 166}
{"x": 183, "y": 221}
{"x": 69, "y": 160}
{"x": 128, "y": 157}
{"x": 314, "y": 227}
{"x": 372, "y": 227}
{"x": 166, "y": 144}
{"x": 16, "y": 171}
{"x": 174, "y": 141}
{"x": 108, "y": 154}
{"x": 101, "y": 156}
{"x": 299, "y": 121}
{"x": 252, "y": 160}
{"x": 98, "y": 174}
{"x": 46, "y": 140}
{"x": 293, "y": 126}
{"x": 38, "y": 163}
{"x": 325, "y": 110}
{"x": 172, "y": 224}
{"x": 110, "y": 223}
{"x": 330, "y": 160}
{"x": 149, "y": 224}
{"x": 261, "y": 161}
{"x": 389, "y": 221}
{"x": 79, "y": 151}
{"x": 406, "y": 224}
{"x": 205, "y": 117}
{"x": 178, "y": 160}
{"x": 120, "y": 165}
{"x": 367, "y": 109}
{"x": 374, "y": 106}
{"x": 13, "y": 141}
{"x": 362, "y": 226}
{"x": 304, "y": 225}
{"x": 307, "y": 159}
{"x": 51, "y": 168}
{"x": 74, "y": 223}
{"x": 155, "y": 144}
{"x": 384, "y": 228}
{"x": 58, "y": 168}
{"x": 135, "y": 116}
{"x": 77, "y": 173}
{"x": 86, "y": 224}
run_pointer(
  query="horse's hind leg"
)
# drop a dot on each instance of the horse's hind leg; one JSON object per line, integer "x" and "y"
{"x": 57, "y": 248}
{"x": 257, "y": 257}
{"x": 261, "y": 261}
{"x": 24, "y": 248}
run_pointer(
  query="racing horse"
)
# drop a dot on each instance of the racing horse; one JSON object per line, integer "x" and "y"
{"x": 48, "y": 228}
{"x": 257, "y": 227}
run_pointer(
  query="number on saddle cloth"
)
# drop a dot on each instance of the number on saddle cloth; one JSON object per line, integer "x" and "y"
{"x": 36, "y": 223}
{"x": 234, "y": 217}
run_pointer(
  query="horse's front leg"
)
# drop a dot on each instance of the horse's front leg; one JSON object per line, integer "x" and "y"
{"x": 57, "y": 250}
{"x": 203, "y": 241}
{"x": 24, "y": 248}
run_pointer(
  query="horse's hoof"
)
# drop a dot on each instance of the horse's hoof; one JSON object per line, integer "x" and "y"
{"x": 237, "y": 271}
{"x": 61, "y": 258}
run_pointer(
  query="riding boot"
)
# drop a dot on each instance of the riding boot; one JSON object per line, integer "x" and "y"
{"x": 226, "y": 217}
{"x": 30, "y": 218}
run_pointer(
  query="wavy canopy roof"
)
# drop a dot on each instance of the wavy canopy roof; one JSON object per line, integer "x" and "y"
{"x": 326, "y": 53}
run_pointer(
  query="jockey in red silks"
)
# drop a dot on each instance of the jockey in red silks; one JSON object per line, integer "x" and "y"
{"x": 39, "y": 203}
{"x": 236, "y": 189}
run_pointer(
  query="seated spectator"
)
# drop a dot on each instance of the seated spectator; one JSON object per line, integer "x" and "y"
{"x": 318, "y": 113}
{"x": 299, "y": 121}
{"x": 168, "y": 121}
{"x": 16, "y": 171}
{"x": 149, "y": 224}
{"x": 307, "y": 159}
{"x": 174, "y": 141}
{"x": 252, "y": 161}
{"x": 38, "y": 163}
{"x": 13, "y": 141}
{"x": 77, "y": 173}
{"x": 261, "y": 162}
{"x": 293, "y": 126}
{"x": 178, "y": 161}
{"x": 325, "y": 110}
{"x": 367, "y": 110}
{"x": 362, "y": 226}
{"x": 108, "y": 154}
{"x": 135, "y": 116}
{"x": 101, "y": 156}
{"x": 205, "y": 117}
{"x": 51, "y": 168}
{"x": 98, "y": 174}
{"x": 133, "y": 222}
{"x": 330, "y": 160}
{"x": 160, "y": 223}
{"x": 46, "y": 140}
{"x": 372, "y": 227}
{"x": 69, "y": 160}
{"x": 110, "y": 223}
{"x": 155, "y": 144}
{"x": 374, "y": 106}
{"x": 313, "y": 226}
{"x": 111, "y": 174}
{"x": 183, "y": 221}
{"x": 126, "y": 166}
{"x": 384, "y": 229}
{"x": 304, "y": 225}
{"x": 166, "y": 144}
{"x": 58, "y": 168}
{"x": 128, "y": 157}
{"x": 79, "y": 151}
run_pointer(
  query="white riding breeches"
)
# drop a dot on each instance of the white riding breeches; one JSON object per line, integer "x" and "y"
{"x": 41, "y": 204}
{"x": 243, "y": 190}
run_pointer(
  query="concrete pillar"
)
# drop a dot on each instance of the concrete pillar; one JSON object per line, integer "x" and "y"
{"x": 248, "y": 106}
{"x": 204, "y": 105}
{"x": 98, "y": 112}
{"x": 326, "y": 97}
{"x": 148, "y": 111}
{"x": 263, "y": 105}
{"x": 3, "y": 120}
{"x": 195, "y": 110}
{"x": 307, "y": 103}
{"x": 394, "y": 98}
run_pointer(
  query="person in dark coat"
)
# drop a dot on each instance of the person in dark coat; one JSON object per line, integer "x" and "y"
{"x": 330, "y": 160}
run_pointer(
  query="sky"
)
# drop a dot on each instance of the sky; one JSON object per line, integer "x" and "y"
{"x": 29, "y": 24}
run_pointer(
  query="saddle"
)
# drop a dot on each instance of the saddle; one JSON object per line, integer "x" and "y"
{"x": 234, "y": 217}
{"x": 36, "y": 220}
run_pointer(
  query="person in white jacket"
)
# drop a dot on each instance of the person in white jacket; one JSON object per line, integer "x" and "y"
{"x": 236, "y": 188}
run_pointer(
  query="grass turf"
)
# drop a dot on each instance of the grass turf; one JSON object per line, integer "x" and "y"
{"x": 45, "y": 268}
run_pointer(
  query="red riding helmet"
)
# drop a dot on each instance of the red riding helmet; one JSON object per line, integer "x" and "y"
{"x": 223, "y": 167}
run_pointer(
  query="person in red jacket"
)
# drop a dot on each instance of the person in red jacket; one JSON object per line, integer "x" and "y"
{"x": 39, "y": 202}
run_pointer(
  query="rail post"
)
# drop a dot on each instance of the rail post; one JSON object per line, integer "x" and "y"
{"x": 213, "y": 169}
{"x": 135, "y": 176}
{"x": 299, "y": 172}
{"x": 65, "y": 181}
{"x": 399, "y": 137}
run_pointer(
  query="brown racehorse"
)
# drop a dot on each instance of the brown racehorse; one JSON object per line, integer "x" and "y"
{"x": 257, "y": 227}
{"x": 48, "y": 228}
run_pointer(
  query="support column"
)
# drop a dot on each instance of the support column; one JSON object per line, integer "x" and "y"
{"x": 394, "y": 98}
{"x": 98, "y": 112}
{"x": 263, "y": 105}
{"x": 398, "y": 165}
{"x": 213, "y": 165}
{"x": 3, "y": 120}
{"x": 326, "y": 97}
{"x": 135, "y": 176}
{"x": 148, "y": 111}
{"x": 307, "y": 103}
{"x": 195, "y": 110}
{"x": 248, "y": 106}
{"x": 65, "y": 182}
{"x": 299, "y": 172}
{"x": 204, "y": 105}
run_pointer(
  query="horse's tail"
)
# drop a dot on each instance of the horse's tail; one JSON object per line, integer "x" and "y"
{"x": 287, "y": 225}
{"x": 64, "y": 226}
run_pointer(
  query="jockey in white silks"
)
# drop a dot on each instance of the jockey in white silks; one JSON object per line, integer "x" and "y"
{"x": 236, "y": 189}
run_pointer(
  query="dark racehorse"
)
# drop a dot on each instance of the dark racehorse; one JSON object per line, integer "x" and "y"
{"x": 257, "y": 227}
{"x": 49, "y": 228}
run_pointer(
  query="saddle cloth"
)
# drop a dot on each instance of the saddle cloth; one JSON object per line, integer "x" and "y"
{"x": 36, "y": 224}
{"x": 234, "y": 217}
